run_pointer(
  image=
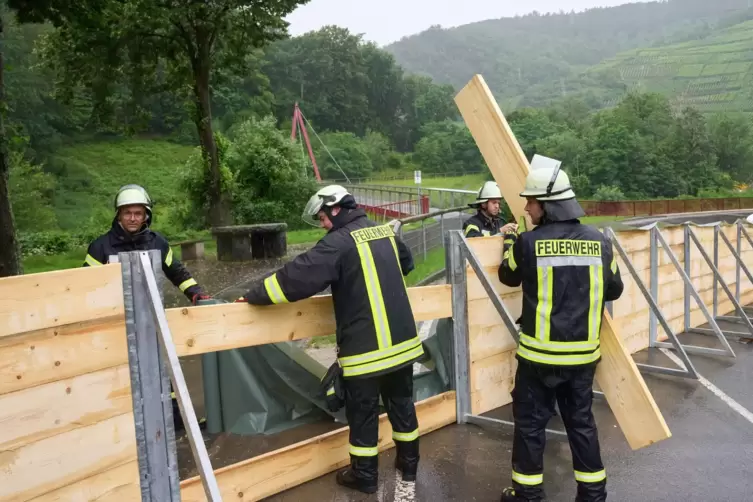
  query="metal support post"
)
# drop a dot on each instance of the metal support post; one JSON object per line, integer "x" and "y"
{"x": 727, "y": 351}
{"x": 689, "y": 371}
{"x": 150, "y": 390}
{"x": 652, "y": 320}
{"x": 739, "y": 308}
{"x": 716, "y": 281}
{"x": 200, "y": 454}
{"x": 456, "y": 276}
{"x": 739, "y": 228}
{"x": 686, "y": 256}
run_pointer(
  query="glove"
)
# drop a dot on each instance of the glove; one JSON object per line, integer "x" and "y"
{"x": 241, "y": 300}
{"x": 200, "y": 296}
{"x": 395, "y": 224}
{"x": 332, "y": 389}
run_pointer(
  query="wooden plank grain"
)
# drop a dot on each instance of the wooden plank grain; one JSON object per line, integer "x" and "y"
{"x": 120, "y": 484}
{"x": 57, "y": 353}
{"x": 285, "y": 468}
{"x": 197, "y": 330}
{"x": 38, "y": 301}
{"x": 30, "y": 415}
{"x": 626, "y": 392}
{"x": 47, "y": 465}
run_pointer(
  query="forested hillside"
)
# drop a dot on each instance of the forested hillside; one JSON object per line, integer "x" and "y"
{"x": 553, "y": 50}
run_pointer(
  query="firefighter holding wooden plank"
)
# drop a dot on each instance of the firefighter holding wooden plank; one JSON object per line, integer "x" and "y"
{"x": 377, "y": 342}
{"x": 568, "y": 272}
{"x": 487, "y": 220}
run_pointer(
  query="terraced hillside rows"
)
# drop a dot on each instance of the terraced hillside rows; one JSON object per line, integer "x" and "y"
{"x": 712, "y": 74}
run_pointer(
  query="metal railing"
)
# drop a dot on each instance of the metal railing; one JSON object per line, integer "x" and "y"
{"x": 431, "y": 229}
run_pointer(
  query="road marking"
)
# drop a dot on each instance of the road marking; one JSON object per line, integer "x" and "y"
{"x": 747, "y": 415}
{"x": 405, "y": 491}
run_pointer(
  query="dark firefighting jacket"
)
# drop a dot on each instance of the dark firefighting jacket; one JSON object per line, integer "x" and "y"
{"x": 364, "y": 264}
{"x": 480, "y": 225}
{"x": 568, "y": 272}
{"x": 117, "y": 240}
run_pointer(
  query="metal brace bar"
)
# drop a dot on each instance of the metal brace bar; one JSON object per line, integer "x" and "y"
{"x": 729, "y": 318}
{"x": 652, "y": 320}
{"x": 497, "y": 423}
{"x": 689, "y": 370}
{"x": 201, "y": 457}
{"x": 686, "y": 295}
{"x": 731, "y": 334}
{"x": 456, "y": 275}
{"x": 739, "y": 228}
{"x": 740, "y": 264}
{"x": 715, "y": 289}
{"x": 719, "y": 277}
{"x": 693, "y": 349}
{"x": 709, "y": 318}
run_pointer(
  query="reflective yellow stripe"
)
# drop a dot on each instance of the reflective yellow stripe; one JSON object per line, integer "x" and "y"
{"x": 377, "y": 355}
{"x": 397, "y": 257}
{"x": 360, "y": 451}
{"x": 527, "y": 479}
{"x": 509, "y": 242}
{"x": 558, "y": 346}
{"x": 384, "y": 364}
{"x": 187, "y": 284}
{"x": 613, "y": 266}
{"x": 331, "y": 391}
{"x": 544, "y": 304}
{"x": 374, "y": 290}
{"x": 470, "y": 228}
{"x": 93, "y": 262}
{"x": 596, "y": 291}
{"x": 558, "y": 359}
{"x": 591, "y": 477}
{"x": 169, "y": 257}
{"x": 510, "y": 260}
{"x": 405, "y": 436}
{"x": 172, "y": 395}
{"x": 272, "y": 285}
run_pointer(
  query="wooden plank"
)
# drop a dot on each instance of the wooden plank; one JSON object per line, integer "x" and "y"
{"x": 618, "y": 376}
{"x": 198, "y": 330}
{"x": 285, "y": 468}
{"x": 58, "y": 461}
{"x": 34, "y": 414}
{"x": 38, "y": 301}
{"x": 53, "y": 354}
{"x": 120, "y": 484}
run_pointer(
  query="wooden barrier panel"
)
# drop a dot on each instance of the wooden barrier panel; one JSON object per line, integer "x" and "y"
{"x": 279, "y": 470}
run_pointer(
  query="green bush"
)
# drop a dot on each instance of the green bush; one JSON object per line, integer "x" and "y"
{"x": 54, "y": 242}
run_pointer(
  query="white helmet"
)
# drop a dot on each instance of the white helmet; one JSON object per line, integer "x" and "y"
{"x": 490, "y": 190}
{"x": 132, "y": 194}
{"x": 328, "y": 196}
{"x": 546, "y": 181}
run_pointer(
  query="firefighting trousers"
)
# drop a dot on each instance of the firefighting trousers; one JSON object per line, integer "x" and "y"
{"x": 534, "y": 395}
{"x": 362, "y": 411}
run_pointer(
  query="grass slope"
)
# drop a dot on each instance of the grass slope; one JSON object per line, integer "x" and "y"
{"x": 89, "y": 175}
{"x": 712, "y": 74}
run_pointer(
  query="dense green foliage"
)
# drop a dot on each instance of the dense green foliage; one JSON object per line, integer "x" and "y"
{"x": 529, "y": 59}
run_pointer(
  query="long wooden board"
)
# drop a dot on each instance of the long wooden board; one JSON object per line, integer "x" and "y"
{"x": 30, "y": 415}
{"x": 38, "y": 301}
{"x": 198, "y": 330}
{"x": 285, "y": 468}
{"x": 120, "y": 484}
{"x": 617, "y": 375}
{"x": 53, "y": 354}
{"x": 41, "y": 467}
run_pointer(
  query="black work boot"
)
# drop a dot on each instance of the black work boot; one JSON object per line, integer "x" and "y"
{"x": 348, "y": 479}
{"x": 407, "y": 458}
{"x": 508, "y": 495}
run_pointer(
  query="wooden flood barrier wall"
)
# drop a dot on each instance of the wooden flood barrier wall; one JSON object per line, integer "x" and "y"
{"x": 66, "y": 417}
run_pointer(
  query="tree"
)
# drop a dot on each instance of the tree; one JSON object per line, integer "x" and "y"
{"x": 346, "y": 152}
{"x": 10, "y": 255}
{"x": 448, "y": 147}
{"x": 155, "y": 45}
{"x": 732, "y": 140}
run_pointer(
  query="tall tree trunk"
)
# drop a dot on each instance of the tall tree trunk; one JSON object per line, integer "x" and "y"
{"x": 218, "y": 210}
{"x": 10, "y": 258}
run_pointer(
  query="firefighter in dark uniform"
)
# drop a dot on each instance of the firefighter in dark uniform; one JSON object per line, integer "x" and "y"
{"x": 377, "y": 342}
{"x": 568, "y": 272}
{"x": 131, "y": 231}
{"x": 487, "y": 220}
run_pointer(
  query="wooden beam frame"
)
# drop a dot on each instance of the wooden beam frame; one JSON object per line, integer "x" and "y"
{"x": 617, "y": 375}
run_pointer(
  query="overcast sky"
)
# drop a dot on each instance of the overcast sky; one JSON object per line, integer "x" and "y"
{"x": 386, "y": 21}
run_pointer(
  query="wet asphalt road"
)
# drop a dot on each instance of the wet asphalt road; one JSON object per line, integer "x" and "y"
{"x": 708, "y": 458}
